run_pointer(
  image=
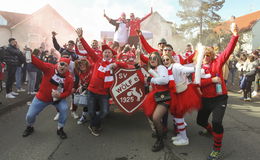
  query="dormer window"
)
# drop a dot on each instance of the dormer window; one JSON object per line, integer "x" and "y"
{"x": 3, "y": 21}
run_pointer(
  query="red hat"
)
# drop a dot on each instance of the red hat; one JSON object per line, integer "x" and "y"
{"x": 66, "y": 60}
{"x": 105, "y": 46}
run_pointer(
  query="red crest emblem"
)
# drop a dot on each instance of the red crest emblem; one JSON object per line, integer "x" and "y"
{"x": 127, "y": 90}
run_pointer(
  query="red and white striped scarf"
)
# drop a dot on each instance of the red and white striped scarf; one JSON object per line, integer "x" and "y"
{"x": 205, "y": 71}
{"x": 172, "y": 85}
{"x": 105, "y": 73}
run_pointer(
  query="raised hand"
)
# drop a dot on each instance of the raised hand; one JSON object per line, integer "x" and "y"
{"x": 139, "y": 32}
{"x": 54, "y": 33}
{"x": 79, "y": 32}
{"x": 234, "y": 29}
{"x": 105, "y": 14}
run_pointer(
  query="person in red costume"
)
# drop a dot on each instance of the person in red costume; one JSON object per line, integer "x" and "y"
{"x": 135, "y": 24}
{"x": 56, "y": 85}
{"x": 100, "y": 82}
{"x": 214, "y": 92}
{"x": 163, "y": 48}
{"x": 83, "y": 72}
{"x": 153, "y": 109}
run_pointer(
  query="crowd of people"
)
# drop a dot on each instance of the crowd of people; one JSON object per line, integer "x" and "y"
{"x": 80, "y": 69}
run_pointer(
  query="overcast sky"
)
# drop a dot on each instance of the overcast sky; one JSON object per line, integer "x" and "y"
{"x": 89, "y": 13}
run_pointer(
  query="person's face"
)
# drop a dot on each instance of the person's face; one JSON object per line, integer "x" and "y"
{"x": 188, "y": 48}
{"x": 107, "y": 54}
{"x": 132, "y": 16}
{"x": 94, "y": 44}
{"x": 166, "y": 61}
{"x": 80, "y": 46}
{"x": 70, "y": 46}
{"x": 167, "y": 50}
{"x": 207, "y": 58}
{"x": 161, "y": 46}
{"x": 153, "y": 60}
{"x": 62, "y": 67}
{"x": 13, "y": 43}
{"x": 82, "y": 66}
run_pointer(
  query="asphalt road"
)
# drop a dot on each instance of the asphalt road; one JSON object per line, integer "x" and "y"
{"x": 127, "y": 137}
{"x": 123, "y": 138}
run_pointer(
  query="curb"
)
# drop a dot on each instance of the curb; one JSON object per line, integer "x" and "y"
{"x": 19, "y": 103}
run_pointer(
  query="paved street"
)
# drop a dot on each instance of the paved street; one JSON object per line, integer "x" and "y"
{"x": 126, "y": 137}
{"x": 123, "y": 138}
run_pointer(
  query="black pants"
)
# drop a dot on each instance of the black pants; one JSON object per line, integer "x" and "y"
{"x": 247, "y": 90}
{"x": 11, "y": 69}
{"x": 216, "y": 105}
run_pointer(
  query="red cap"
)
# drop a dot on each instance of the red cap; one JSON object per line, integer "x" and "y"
{"x": 105, "y": 46}
{"x": 66, "y": 60}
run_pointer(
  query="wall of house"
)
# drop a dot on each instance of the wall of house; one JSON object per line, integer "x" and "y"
{"x": 256, "y": 35}
{"x": 37, "y": 30}
{"x": 5, "y": 35}
{"x": 160, "y": 29}
{"x": 247, "y": 37}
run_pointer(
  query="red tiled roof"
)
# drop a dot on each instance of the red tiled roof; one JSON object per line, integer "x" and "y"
{"x": 13, "y": 18}
{"x": 243, "y": 22}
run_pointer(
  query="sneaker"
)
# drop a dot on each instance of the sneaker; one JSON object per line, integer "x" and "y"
{"x": 28, "y": 131}
{"x": 82, "y": 120}
{"x": 9, "y": 95}
{"x": 240, "y": 91}
{"x": 56, "y": 116}
{"x": 61, "y": 133}
{"x": 176, "y": 137}
{"x": 181, "y": 141}
{"x": 254, "y": 94}
{"x": 214, "y": 155}
{"x": 93, "y": 131}
{"x": 249, "y": 99}
{"x": 21, "y": 90}
{"x": 33, "y": 93}
{"x": 74, "y": 115}
{"x": 14, "y": 93}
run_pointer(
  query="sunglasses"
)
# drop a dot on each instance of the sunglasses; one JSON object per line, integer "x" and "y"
{"x": 153, "y": 58}
{"x": 207, "y": 55}
{"x": 166, "y": 60}
{"x": 62, "y": 63}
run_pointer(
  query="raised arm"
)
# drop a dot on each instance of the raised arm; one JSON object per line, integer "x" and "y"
{"x": 223, "y": 57}
{"x": 91, "y": 52}
{"x": 55, "y": 43}
{"x": 44, "y": 67}
{"x": 145, "y": 44}
{"x": 147, "y": 15}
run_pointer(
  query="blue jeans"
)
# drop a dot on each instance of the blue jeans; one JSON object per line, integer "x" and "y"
{"x": 18, "y": 77}
{"x": 95, "y": 100}
{"x": 232, "y": 73}
{"x": 37, "y": 106}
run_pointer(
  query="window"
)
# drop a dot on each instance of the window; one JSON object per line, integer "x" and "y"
{"x": 3, "y": 21}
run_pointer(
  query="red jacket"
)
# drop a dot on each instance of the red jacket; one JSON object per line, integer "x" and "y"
{"x": 208, "y": 88}
{"x": 48, "y": 69}
{"x": 136, "y": 25}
